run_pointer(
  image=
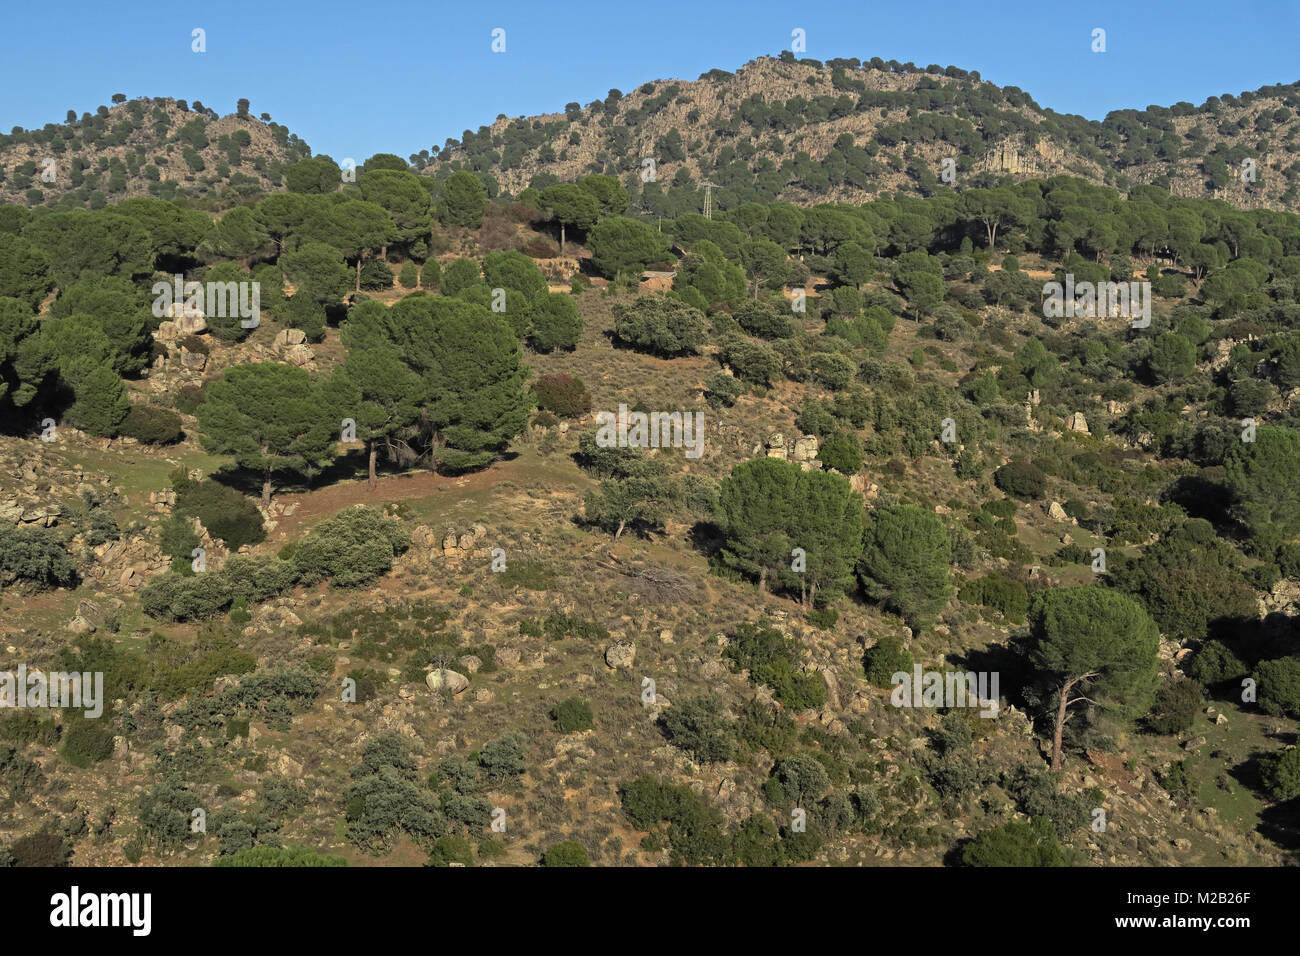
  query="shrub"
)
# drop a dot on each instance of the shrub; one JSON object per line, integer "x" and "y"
{"x": 661, "y": 325}
{"x": 276, "y": 856}
{"x": 409, "y": 275}
{"x": 451, "y": 849}
{"x": 751, "y": 362}
{"x": 1178, "y": 703}
{"x": 174, "y": 597}
{"x": 375, "y": 274}
{"x": 764, "y": 320}
{"x": 1010, "y": 598}
{"x": 1214, "y": 664}
{"x": 1279, "y": 686}
{"x": 35, "y": 556}
{"x": 44, "y": 848}
{"x": 189, "y": 398}
{"x": 1015, "y": 843}
{"x": 564, "y": 395}
{"x": 773, "y": 659}
{"x": 571, "y": 715}
{"x": 1021, "y": 479}
{"x": 1280, "y": 773}
{"x": 566, "y": 853}
{"x": 352, "y": 548}
{"x": 87, "y": 741}
{"x": 824, "y": 618}
{"x": 702, "y": 727}
{"x": 223, "y": 511}
{"x": 843, "y": 452}
{"x": 503, "y": 758}
{"x": 722, "y": 389}
{"x": 152, "y": 425}
{"x": 884, "y": 659}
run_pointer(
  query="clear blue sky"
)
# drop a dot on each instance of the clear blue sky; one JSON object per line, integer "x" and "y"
{"x": 356, "y": 78}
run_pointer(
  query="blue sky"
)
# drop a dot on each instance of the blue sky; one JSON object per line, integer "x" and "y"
{"x": 353, "y": 78}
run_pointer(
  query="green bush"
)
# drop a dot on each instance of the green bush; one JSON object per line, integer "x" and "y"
{"x": 1010, "y": 598}
{"x": 1015, "y": 843}
{"x": 409, "y": 275}
{"x": 773, "y": 659}
{"x": 1279, "y": 686}
{"x": 722, "y": 390}
{"x": 87, "y": 741}
{"x": 571, "y": 715}
{"x": 276, "y": 856}
{"x": 1178, "y": 704}
{"x": 1021, "y": 479}
{"x": 661, "y": 325}
{"x": 566, "y": 853}
{"x": 223, "y": 511}
{"x": 34, "y": 556}
{"x": 1280, "y": 773}
{"x": 152, "y": 425}
{"x": 451, "y": 849}
{"x": 824, "y": 618}
{"x": 353, "y": 548}
{"x": 884, "y": 659}
{"x": 843, "y": 452}
{"x": 702, "y": 727}
{"x": 1214, "y": 663}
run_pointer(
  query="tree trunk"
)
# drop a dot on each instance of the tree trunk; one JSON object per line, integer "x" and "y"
{"x": 372, "y": 464}
{"x": 358, "y": 289}
{"x": 1059, "y": 730}
{"x": 619, "y": 532}
{"x": 266, "y": 490}
{"x": 762, "y": 581}
{"x": 812, "y": 595}
{"x": 561, "y": 238}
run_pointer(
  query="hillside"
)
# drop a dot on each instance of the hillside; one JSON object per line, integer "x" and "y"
{"x": 159, "y": 147}
{"x": 809, "y": 132}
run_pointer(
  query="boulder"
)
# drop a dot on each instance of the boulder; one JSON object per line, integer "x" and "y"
{"x": 620, "y": 654}
{"x": 1056, "y": 512}
{"x": 190, "y": 324}
{"x": 289, "y": 337}
{"x": 441, "y": 679}
{"x": 1077, "y": 423}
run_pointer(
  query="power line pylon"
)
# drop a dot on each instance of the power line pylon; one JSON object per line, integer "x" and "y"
{"x": 708, "y": 198}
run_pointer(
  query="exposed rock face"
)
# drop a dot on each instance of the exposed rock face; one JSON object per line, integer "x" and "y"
{"x": 299, "y": 355}
{"x": 1077, "y": 423}
{"x": 620, "y": 654}
{"x": 806, "y": 448}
